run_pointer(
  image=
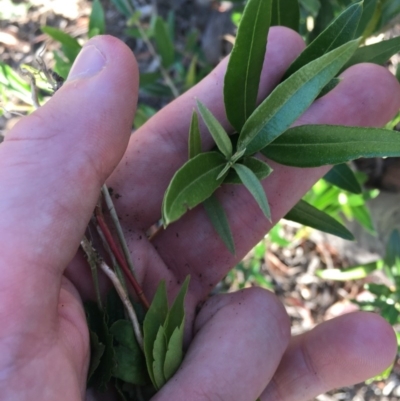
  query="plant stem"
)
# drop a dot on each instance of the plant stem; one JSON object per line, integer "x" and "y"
{"x": 125, "y": 299}
{"x": 114, "y": 217}
{"x": 107, "y": 248}
{"x": 121, "y": 261}
{"x": 153, "y": 52}
{"x": 92, "y": 259}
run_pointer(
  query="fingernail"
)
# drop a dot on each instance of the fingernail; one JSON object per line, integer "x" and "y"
{"x": 89, "y": 62}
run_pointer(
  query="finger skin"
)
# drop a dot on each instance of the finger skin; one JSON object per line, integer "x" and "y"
{"x": 191, "y": 246}
{"x": 239, "y": 341}
{"x": 52, "y": 165}
{"x": 340, "y": 352}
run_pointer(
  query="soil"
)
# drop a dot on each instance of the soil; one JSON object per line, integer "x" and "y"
{"x": 308, "y": 299}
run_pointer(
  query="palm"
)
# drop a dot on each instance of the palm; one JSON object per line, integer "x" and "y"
{"x": 240, "y": 339}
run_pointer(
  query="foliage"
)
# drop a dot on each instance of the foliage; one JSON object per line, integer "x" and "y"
{"x": 266, "y": 128}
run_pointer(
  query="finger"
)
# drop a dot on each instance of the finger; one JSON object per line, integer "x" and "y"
{"x": 191, "y": 246}
{"x": 160, "y": 147}
{"x": 338, "y": 353}
{"x": 239, "y": 341}
{"x": 52, "y": 165}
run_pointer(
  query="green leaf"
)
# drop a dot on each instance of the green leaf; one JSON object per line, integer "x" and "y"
{"x": 217, "y": 131}
{"x": 350, "y": 273}
{"x": 192, "y": 184}
{"x": 176, "y": 315}
{"x": 308, "y": 215}
{"x": 129, "y": 368}
{"x": 97, "y": 324}
{"x": 219, "y": 220}
{"x": 252, "y": 183}
{"x": 155, "y": 318}
{"x": 70, "y": 45}
{"x": 194, "y": 136}
{"x": 286, "y": 13}
{"x": 325, "y": 15}
{"x": 97, "y": 21}
{"x": 257, "y": 166}
{"x": 13, "y": 84}
{"x": 159, "y": 352}
{"x": 393, "y": 248}
{"x": 291, "y": 98}
{"x": 362, "y": 214}
{"x": 96, "y": 352}
{"x": 339, "y": 32}
{"x": 174, "y": 355}
{"x": 343, "y": 177}
{"x": 191, "y": 77}
{"x": 318, "y": 145}
{"x": 370, "y": 7}
{"x": 124, "y": 7}
{"x": 332, "y": 84}
{"x": 164, "y": 43}
{"x": 378, "y": 53}
{"x": 242, "y": 76}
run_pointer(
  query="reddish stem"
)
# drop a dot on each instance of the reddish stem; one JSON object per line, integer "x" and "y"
{"x": 120, "y": 259}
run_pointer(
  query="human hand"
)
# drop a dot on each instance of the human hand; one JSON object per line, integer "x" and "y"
{"x": 52, "y": 166}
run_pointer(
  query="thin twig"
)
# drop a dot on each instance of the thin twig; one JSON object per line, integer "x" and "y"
{"x": 114, "y": 217}
{"x": 153, "y": 52}
{"x": 34, "y": 90}
{"x": 125, "y": 299}
{"x": 107, "y": 248}
{"x": 121, "y": 261}
{"x": 92, "y": 258}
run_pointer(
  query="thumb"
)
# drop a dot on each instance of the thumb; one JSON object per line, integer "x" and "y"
{"x": 52, "y": 166}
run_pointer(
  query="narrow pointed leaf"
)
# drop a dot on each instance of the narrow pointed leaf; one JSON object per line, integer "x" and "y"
{"x": 339, "y": 32}
{"x": 97, "y": 24}
{"x": 286, "y": 13}
{"x": 325, "y": 15}
{"x": 155, "y": 317}
{"x": 350, "y": 273}
{"x": 252, "y": 183}
{"x": 194, "y": 136}
{"x": 343, "y": 177}
{"x": 257, "y": 166}
{"x": 362, "y": 214}
{"x": 310, "y": 216}
{"x": 159, "y": 352}
{"x": 393, "y": 248}
{"x": 378, "y": 53}
{"x": 217, "y": 131}
{"x": 176, "y": 315}
{"x": 242, "y": 76}
{"x": 193, "y": 183}
{"x": 291, "y": 98}
{"x": 219, "y": 220}
{"x": 364, "y": 27}
{"x": 164, "y": 43}
{"x": 319, "y": 145}
{"x": 332, "y": 84}
{"x": 70, "y": 45}
{"x": 174, "y": 355}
